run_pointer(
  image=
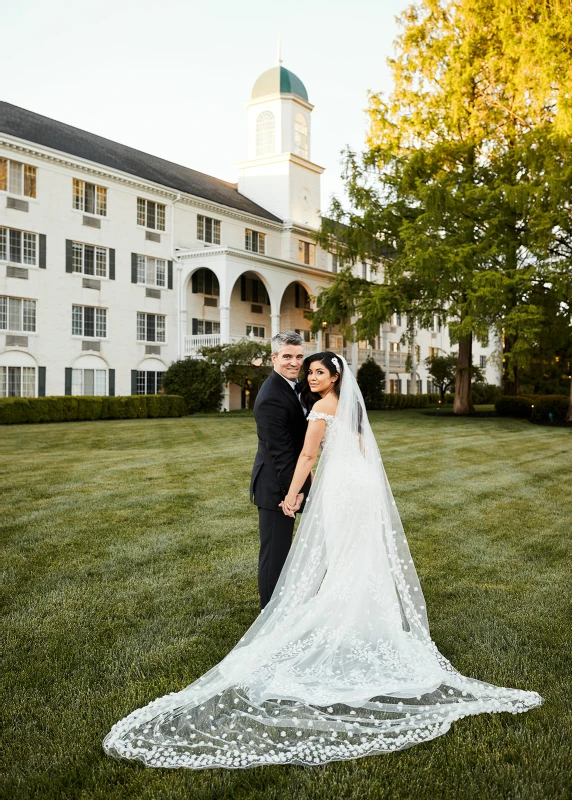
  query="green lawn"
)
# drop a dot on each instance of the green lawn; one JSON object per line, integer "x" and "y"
{"x": 130, "y": 568}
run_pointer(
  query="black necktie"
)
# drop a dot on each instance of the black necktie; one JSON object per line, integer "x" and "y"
{"x": 298, "y": 388}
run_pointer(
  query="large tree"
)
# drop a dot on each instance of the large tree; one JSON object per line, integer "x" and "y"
{"x": 462, "y": 196}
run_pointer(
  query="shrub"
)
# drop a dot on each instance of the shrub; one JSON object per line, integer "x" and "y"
{"x": 486, "y": 393}
{"x": 370, "y": 378}
{"x": 14, "y": 410}
{"x": 199, "y": 383}
{"x": 517, "y": 406}
{"x": 555, "y": 405}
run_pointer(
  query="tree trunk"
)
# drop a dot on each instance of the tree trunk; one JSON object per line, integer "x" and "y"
{"x": 569, "y": 414}
{"x": 442, "y": 392}
{"x": 463, "y": 398}
{"x": 510, "y": 380}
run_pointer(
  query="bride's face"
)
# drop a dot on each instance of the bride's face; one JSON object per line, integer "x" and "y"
{"x": 320, "y": 379}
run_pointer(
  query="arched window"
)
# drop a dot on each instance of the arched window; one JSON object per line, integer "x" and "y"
{"x": 265, "y": 134}
{"x": 301, "y": 136}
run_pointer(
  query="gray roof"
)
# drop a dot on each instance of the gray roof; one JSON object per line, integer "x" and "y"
{"x": 56, "y": 135}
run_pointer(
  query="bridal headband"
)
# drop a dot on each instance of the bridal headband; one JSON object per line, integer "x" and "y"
{"x": 336, "y": 364}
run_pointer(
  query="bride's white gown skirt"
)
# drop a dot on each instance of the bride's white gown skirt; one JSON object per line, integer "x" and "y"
{"x": 341, "y": 663}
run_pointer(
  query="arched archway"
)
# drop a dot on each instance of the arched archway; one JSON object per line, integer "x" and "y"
{"x": 250, "y": 308}
{"x": 295, "y": 302}
{"x": 202, "y": 295}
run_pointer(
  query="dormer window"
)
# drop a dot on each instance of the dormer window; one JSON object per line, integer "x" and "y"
{"x": 301, "y": 136}
{"x": 265, "y": 133}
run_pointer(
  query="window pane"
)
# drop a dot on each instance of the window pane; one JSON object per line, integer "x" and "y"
{"x": 216, "y": 231}
{"x": 100, "y": 382}
{"x": 160, "y": 329}
{"x": 3, "y": 174}
{"x": 14, "y": 381}
{"x": 262, "y": 243}
{"x": 159, "y": 381}
{"x": 89, "y": 198}
{"x": 29, "y": 180}
{"x": 141, "y": 385}
{"x": 150, "y": 327}
{"x": 78, "y": 194}
{"x": 15, "y": 314}
{"x": 101, "y": 262}
{"x": 29, "y": 315}
{"x": 77, "y": 320}
{"x": 150, "y": 383}
{"x": 16, "y": 246}
{"x": 88, "y": 321}
{"x": 140, "y": 211}
{"x": 141, "y": 327}
{"x": 150, "y": 214}
{"x": 28, "y": 381}
{"x": 248, "y": 240}
{"x": 3, "y": 381}
{"x": 300, "y": 252}
{"x": 208, "y": 229}
{"x": 151, "y": 271}
{"x": 3, "y": 313}
{"x": 160, "y": 272}
{"x": 29, "y": 248}
{"x": 101, "y": 201}
{"x": 3, "y": 244}
{"x": 77, "y": 257}
{"x": 200, "y": 227}
{"x": 311, "y": 254}
{"x": 141, "y": 269}
{"x": 16, "y": 175}
{"x": 101, "y": 322}
{"x": 88, "y": 388}
{"x": 160, "y": 216}
{"x": 88, "y": 259}
{"x": 77, "y": 381}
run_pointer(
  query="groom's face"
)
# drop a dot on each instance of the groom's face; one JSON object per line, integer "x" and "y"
{"x": 288, "y": 361}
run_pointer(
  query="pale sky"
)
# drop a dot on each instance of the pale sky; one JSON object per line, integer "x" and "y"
{"x": 172, "y": 78}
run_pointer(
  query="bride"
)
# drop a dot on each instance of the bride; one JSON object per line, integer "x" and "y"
{"x": 340, "y": 664}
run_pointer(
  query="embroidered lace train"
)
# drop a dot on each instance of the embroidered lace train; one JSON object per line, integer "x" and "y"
{"x": 340, "y": 664}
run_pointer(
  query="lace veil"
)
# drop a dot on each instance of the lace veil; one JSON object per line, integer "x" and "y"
{"x": 340, "y": 664}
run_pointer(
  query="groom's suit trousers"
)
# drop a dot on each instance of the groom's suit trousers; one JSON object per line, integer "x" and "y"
{"x": 276, "y": 531}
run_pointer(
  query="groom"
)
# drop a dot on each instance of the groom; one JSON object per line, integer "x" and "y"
{"x": 281, "y": 428}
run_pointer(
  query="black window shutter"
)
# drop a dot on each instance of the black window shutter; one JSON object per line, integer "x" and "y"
{"x": 68, "y": 380}
{"x": 111, "y": 263}
{"x": 42, "y": 238}
{"x": 69, "y": 255}
{"x": 195, "y": 326}
{"x": 169, "y": 274}
{"x": 133, "y": 267}
{"x": 133, "y": 381}
{"x": 112, "y": 383}
{"x": 41, "y": 381}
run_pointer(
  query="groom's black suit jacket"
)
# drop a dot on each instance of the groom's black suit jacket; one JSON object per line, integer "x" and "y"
{"x": 281, "y": 428}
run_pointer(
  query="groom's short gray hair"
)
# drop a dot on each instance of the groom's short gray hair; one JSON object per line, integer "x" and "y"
{"x": 285, "y": 337}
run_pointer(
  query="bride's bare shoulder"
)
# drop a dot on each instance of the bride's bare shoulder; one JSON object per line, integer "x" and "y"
{"x": 327, "y": 405}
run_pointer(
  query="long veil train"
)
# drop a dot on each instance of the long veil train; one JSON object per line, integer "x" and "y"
{"x": 340, "y": 664}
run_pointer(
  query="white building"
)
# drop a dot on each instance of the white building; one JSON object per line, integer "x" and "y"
{"x": 115, "y": 263}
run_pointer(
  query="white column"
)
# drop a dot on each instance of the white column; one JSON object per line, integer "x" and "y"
{"x": 320, "y": 341}
{"x": 275, "y": 318}
{"x": 355, "y": 357}
{"x": 224, "y": 325}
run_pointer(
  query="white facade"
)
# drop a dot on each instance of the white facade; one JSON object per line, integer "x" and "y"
{"x": 104, "y": 351}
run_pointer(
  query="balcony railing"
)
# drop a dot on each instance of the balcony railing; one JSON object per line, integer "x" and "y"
{"x": 194, "y": 343}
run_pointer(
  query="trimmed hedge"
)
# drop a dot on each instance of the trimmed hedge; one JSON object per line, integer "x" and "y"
{"x": 408, "y": 400}
{"x": 14, "y": 410}
{"x": 542, "y": 409}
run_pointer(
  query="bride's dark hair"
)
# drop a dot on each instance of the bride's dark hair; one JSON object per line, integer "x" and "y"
{"x": 325, "y": 357}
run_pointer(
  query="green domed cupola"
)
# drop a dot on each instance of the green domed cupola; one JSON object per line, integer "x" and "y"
{"x": 279, "y": 80}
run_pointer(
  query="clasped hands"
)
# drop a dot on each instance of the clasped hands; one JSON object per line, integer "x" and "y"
{"x": 291, "y": 504}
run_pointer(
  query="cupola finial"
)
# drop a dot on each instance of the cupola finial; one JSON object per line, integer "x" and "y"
{"x": 279, "y": 55}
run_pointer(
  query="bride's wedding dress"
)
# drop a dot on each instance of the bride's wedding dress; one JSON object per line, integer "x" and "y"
{"x": 340, "y": 664}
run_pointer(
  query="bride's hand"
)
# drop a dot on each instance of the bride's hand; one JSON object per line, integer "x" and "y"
{"x": 291, "y": 504}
